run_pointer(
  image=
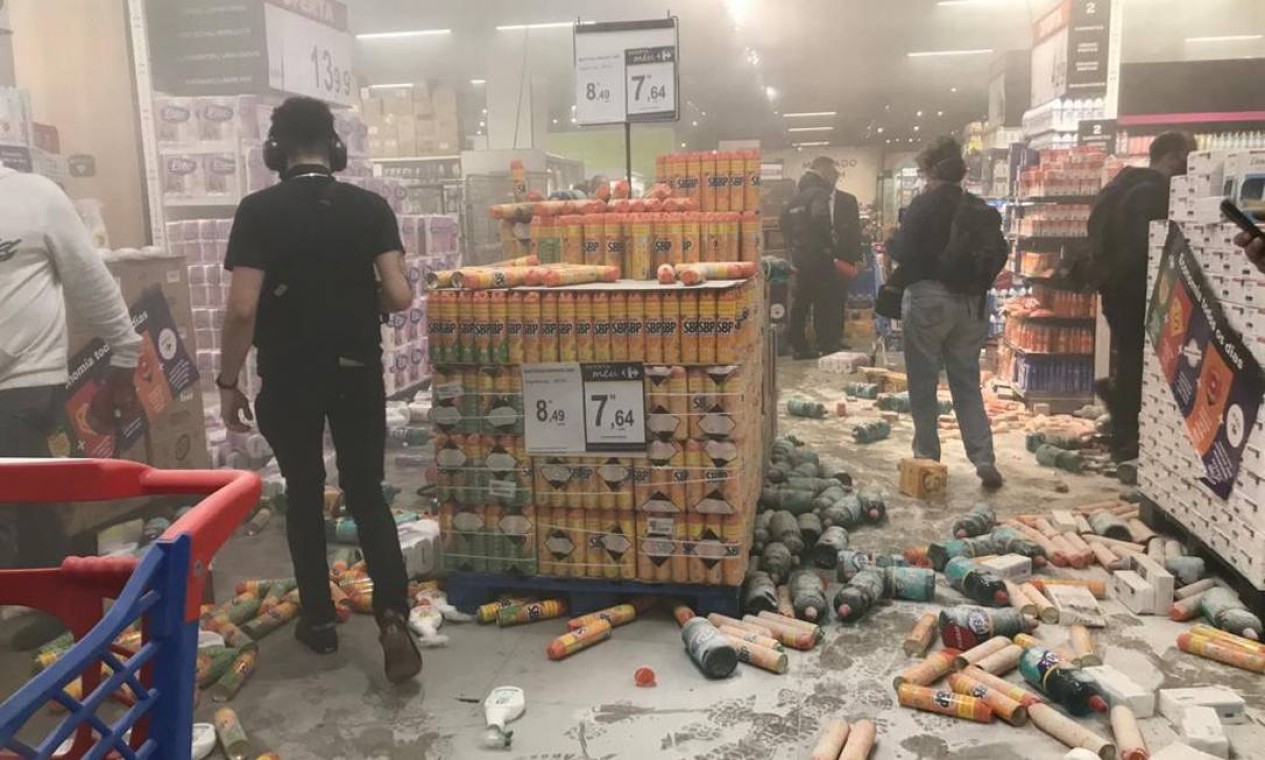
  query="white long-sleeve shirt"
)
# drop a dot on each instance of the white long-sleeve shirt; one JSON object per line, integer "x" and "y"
{"x": 47, "y": 262}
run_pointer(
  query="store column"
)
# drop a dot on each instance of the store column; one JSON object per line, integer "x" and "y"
{"x": 516, "y": 119}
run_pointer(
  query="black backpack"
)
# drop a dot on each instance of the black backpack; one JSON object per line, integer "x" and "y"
{"x": 1089, "y": 263}
{"x": 977, "y": 249}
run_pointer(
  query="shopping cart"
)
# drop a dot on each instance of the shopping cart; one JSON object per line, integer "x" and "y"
{"x": 162, "y": 590}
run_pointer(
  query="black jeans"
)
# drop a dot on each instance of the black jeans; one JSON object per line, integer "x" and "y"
{"x": 1125, "y": 311}
{"x": 31, "y": 535}
{"x": 292, "y": 409}
{"x": 818, "y": 294}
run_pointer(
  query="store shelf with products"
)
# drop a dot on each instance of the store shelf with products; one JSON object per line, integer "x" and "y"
{"x": 1200, "y": 463}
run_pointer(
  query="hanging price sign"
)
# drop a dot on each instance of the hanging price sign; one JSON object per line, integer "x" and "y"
{"x": 626, "y": 71}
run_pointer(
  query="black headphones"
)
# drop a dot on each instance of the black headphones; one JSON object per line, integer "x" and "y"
{"x": 277, "y": 155}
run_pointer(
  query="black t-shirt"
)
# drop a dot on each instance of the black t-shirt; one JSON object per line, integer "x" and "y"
{"x": 316, "y": 240}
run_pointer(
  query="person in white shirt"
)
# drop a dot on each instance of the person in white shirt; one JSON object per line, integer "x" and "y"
{"x": 48, "y": 263}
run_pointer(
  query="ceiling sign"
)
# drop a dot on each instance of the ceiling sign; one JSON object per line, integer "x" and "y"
{"x": 627, "y": 71}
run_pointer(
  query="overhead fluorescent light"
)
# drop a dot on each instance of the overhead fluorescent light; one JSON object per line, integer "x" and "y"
{"x": 477, "y": 82}
{"x": 816, "y": 144}
{"x": 550, "y": 25}
{"x": 949, "y": 53}
{"x": 1228, "y": 38}
{"x": 808, "y": 114}
{"x": 403, "y": 35}
{"x": 811, "y": 129}
{"x": 398, "y": 86}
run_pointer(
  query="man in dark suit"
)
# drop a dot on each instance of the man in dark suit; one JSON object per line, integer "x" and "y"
{"x": 823, "y": 229}
{"x": 849, "y": 256}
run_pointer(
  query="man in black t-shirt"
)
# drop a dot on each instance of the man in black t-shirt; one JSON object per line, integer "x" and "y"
{"x": 315, "y": 264}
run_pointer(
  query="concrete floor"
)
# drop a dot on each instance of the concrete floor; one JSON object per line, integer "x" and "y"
{"x": 587, "y": 708}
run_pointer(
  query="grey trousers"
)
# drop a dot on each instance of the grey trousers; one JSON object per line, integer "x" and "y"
{"x": 30, "y": 535}
{"x": 945, "y": 330}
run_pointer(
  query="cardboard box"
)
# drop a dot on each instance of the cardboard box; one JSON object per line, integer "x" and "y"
{"x": 1133, "y": 592}
{"x": 1230, "y": 707}
{"x": 171, "y": 431}
{"x": 923, "y": 478}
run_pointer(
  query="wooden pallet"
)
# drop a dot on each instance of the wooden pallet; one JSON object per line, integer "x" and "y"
{"x": 467, "y": 591}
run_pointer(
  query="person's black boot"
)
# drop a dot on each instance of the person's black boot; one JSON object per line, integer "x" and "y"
{"x": 321, "y": 638}
{"x": 989, "y": 476}
{"x": 401, "y": 658}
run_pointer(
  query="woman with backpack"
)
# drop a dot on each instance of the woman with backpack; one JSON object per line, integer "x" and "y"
{"x": 949, "y": 247}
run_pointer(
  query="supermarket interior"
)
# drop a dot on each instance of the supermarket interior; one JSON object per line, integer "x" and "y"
{"x": 579, "y": 380}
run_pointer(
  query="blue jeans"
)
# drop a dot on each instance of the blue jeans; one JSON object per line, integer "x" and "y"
{"x": 945, "y": 330}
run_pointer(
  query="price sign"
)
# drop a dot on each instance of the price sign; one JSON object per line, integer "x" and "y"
{"x": 309, "y": 58}
{"x": 614, "y": 407}
{"x": 585, "y": 408}
{"x": 599, "y": 89}
{"x": 651, "y": 82}
{"x": 626, "y": 71}
{"x": 553, "y": 407}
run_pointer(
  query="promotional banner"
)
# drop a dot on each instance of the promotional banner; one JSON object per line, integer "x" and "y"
{"x": 1217, "y": 383}
{"x": 164, "y": 372}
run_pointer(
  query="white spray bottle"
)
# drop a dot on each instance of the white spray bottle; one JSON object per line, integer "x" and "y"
{"x": 504, "y": 705}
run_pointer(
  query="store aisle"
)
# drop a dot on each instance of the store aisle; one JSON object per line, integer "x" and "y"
{"x": 587, "y": 707}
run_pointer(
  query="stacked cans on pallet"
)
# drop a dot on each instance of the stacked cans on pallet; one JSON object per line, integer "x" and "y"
{"x": 1172, "y": 468}
{"x": 680, "y": 513}
{"x": 639, "y": 242}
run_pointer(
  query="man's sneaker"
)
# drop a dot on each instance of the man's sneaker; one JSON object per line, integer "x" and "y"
{"x": 990, "y": 477}
{"x": 321, "y": 638}
{"x": 401, "y": 659}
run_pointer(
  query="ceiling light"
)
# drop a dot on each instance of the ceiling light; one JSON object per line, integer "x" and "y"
{"x": 880, "y": 131}
{"x": 917, "y": 128}
{"x": 811, "y": 129}
{"x": 573, "y": 120}
{"x": 550, "y": 25}
{"x": 939, "y": 113}
{"x": 702, "y": 113}
{"x": 555, "y": 121}
{"x": 920, "y": 114}
{"x": 739, "y": 9}
{"x": 949, "y": 53}
{"x": 889, "y": 141}
{"x": 816, "y": 144}
{"x": 694, "y": 123}
{"x": 484, "y": 124}
{"x": 953, "y": 89}
{"x": 403, "y": 35}
{"x": 398, "y": 86}
{"x": 808, "y": 114}
{"x": 1228, "y": 38}
{"x": 485, "y": 112}
{"x": 771, "y": 93}
{"x": 682, "y": 145}
{"x": 478, "y": 82}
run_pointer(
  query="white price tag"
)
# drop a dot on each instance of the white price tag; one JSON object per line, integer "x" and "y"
{"x": 309, "y": 58}
{"x": 651, "y": 82}
{"x": 599, "y": 89}
{"x": 553, "y": 402}
{"x": 614, "y": 407}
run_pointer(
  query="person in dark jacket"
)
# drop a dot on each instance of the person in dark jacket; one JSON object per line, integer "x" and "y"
{"x": 1139, "y": 197}
{"x": 823, "y": 227}
{"x": 943, "y": 329}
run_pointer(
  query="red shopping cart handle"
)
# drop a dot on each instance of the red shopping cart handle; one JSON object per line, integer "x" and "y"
{"x": 231, "y": 495}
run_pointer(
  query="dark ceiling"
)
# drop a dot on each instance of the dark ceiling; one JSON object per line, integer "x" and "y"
{"x": 848, "y": 56}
